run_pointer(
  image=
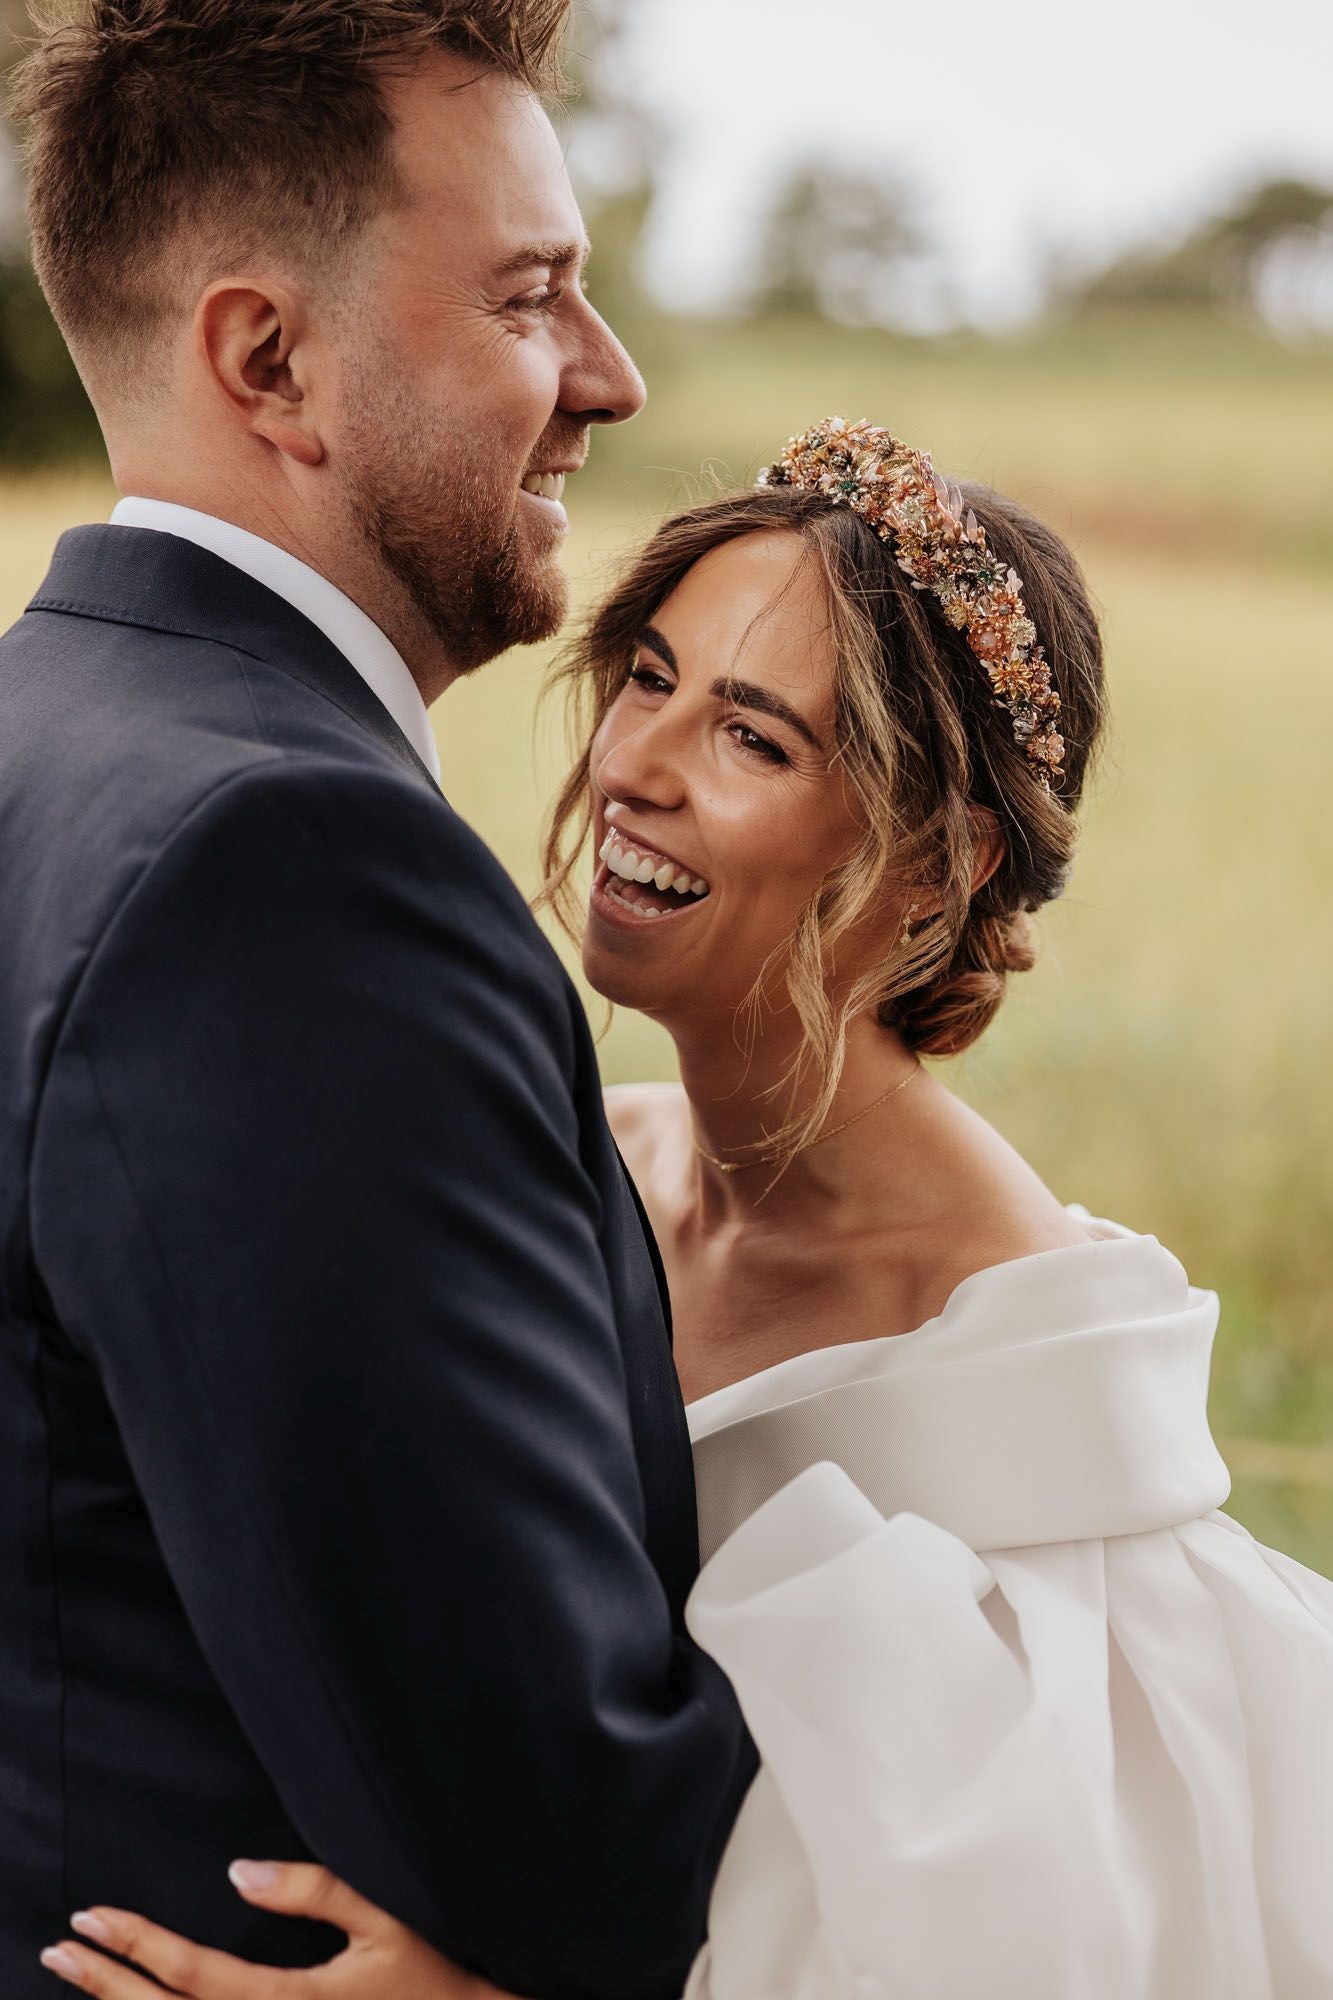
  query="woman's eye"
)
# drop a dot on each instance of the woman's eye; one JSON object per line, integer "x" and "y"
{"x": 756, "y": 745}
{"x": 644, "y": 677}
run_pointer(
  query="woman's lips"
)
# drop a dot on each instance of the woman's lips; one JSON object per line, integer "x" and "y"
{"x": 637, "y": 905}
{"x": 634, "y": 860}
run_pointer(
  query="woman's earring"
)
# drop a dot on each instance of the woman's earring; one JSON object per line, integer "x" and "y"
{"x": 907, "y": 927}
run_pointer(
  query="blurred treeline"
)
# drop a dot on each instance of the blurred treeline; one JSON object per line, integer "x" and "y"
{"x": 44, "y": 414}
{"x": 840, "y": 249}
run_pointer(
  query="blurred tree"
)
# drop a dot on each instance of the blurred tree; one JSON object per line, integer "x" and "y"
{"x": 614, "y": 144}
{"x": 841, "y": 243}
{"x": 1224, "y": 262}
{"x": 44, "y": 413}
{"x": 15, "y": 26}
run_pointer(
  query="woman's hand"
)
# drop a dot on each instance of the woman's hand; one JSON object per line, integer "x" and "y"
{"x": 383, "y": 1959}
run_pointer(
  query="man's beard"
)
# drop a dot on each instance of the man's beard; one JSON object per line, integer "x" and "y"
{"x": 453, "y": 541}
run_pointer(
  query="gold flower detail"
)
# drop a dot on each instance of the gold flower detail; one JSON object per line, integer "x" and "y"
{"x": 943, "y": 550}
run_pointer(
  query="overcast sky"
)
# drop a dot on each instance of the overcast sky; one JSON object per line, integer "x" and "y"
{"x": 1028, "y": 128}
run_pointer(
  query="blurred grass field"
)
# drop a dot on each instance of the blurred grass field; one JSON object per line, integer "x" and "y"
{"x": 1167, "y": 1064}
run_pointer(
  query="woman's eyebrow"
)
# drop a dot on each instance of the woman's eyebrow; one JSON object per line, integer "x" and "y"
{"x": 763, "y": 701}
{"x": 742, "y": 694}
{"x": 651, "y": 637}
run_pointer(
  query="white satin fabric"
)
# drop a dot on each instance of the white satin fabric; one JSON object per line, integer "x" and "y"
{"x": 1037, "y": 1722}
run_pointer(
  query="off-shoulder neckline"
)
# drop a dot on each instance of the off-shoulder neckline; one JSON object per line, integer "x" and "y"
{"x": 719, "y": 1406}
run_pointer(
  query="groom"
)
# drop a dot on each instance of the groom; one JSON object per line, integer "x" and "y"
{"x": 345, "y": 1492}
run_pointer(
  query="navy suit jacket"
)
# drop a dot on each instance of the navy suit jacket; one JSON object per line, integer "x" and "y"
{"x": 346, "y": 1504}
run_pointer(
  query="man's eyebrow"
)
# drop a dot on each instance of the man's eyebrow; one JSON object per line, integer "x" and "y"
{"x": 743, "y": 694}
{"x": 763, "y": 701}
{"x": 559, "y": 256}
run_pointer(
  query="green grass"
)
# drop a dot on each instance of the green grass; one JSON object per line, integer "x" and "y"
{"x": 1167, "y": 1062}
{"x": 1201, "y": 435}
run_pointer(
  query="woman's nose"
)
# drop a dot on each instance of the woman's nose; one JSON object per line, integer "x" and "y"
{"x": 643, "y": 767}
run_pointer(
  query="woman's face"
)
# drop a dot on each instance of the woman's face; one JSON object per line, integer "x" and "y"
{"x": 713, "y": 773}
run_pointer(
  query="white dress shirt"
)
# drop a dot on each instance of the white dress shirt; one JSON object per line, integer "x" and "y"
{"x": 357, "y": 637}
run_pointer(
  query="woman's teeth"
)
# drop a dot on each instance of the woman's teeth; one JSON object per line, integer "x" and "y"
{"x": 545, "y": 485}
{"x": 632, "y": 866}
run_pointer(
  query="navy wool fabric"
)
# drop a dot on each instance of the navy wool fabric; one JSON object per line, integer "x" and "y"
{"x": 345, "y": 1494}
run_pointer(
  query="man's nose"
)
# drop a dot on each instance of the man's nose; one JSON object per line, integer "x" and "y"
{"x": 603, "y": 386}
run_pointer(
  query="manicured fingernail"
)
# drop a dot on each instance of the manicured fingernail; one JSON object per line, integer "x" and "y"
{"x": 60, "y": 1962}
{"x": 87, "y": 1925}
{"x": 253, "y": 1876}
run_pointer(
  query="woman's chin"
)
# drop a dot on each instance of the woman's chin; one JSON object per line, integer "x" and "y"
{"x": 631, "y": 953}
{"x": 622, "y": 976}
{"x": 629, "y": 964}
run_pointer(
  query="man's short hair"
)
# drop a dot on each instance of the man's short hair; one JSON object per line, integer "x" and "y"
{"x": 170, "y": 135}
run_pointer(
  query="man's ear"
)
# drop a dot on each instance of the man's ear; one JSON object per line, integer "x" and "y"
{"x": 988, "y": 845}
{"x": 250, "y": 341}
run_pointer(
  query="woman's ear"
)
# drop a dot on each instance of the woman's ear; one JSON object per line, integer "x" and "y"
{"x": 250, "y": 338}
{"x": 988, "y": 845}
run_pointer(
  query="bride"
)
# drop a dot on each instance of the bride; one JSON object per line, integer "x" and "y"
{"x": 1036, "y": 1720}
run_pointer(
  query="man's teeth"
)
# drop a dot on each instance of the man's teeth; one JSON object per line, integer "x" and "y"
{"x": 631, "y": 866}
{"x": 546, "y": 485}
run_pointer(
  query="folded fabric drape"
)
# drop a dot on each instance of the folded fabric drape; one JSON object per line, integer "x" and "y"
{"x": 1037, "y": 1722}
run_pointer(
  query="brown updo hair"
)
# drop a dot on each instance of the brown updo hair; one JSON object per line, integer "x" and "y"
{"x": 929, "y": 755}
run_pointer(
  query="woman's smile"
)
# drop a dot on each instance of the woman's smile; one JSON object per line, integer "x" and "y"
{"x": 637, "y": 879}
{"x": 711, "y": 783}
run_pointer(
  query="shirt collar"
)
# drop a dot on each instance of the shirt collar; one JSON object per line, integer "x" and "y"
{"x": 357, "y": 637}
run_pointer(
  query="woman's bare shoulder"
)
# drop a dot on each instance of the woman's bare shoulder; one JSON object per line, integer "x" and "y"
{"x": 650, "y": 1122}
{"x": 1000, "y": 1209}
{"x": 642, "y": 1116}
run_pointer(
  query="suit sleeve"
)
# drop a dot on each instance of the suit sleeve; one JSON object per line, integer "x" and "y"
{"x": 307, "y": 1188}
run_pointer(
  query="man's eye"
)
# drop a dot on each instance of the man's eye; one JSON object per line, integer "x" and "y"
{"x": 544, "y": 301}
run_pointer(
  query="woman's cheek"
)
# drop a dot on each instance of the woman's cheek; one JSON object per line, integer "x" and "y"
{"x": 601, "y": 743}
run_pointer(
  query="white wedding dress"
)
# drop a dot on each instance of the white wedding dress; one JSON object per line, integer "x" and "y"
{"x": 1037, "y": 1722}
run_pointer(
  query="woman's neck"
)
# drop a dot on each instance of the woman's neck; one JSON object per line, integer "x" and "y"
{"x": 739, "y": 1099}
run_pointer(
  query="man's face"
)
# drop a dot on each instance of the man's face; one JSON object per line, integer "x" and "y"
{"x": 473, "y": 364}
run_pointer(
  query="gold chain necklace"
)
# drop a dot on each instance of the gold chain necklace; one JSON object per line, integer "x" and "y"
{"x": 770, "y": 1159}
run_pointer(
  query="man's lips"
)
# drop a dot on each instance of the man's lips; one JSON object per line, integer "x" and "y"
{"x": 547, "y": 482}
{"x": 545, "y": 485}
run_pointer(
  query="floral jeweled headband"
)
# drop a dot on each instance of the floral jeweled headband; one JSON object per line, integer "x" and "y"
{"x": 899, "y": 494}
